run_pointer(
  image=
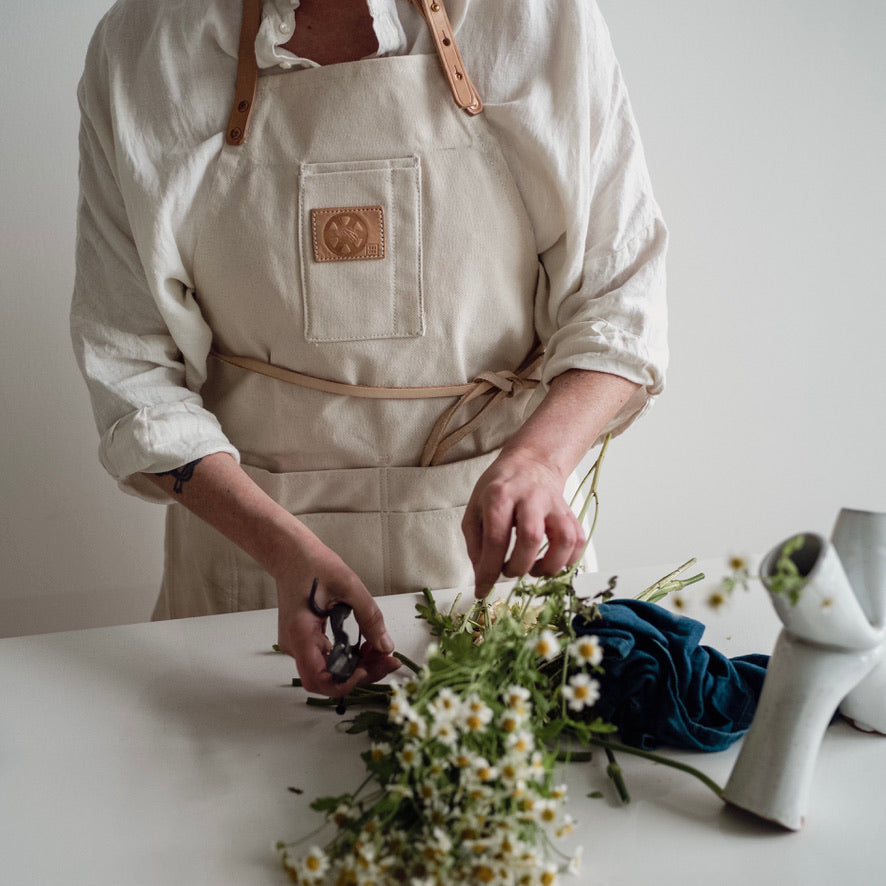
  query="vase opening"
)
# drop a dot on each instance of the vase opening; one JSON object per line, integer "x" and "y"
{"x": 805, "y": 558}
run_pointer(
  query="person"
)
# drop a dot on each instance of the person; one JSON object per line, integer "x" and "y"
{"x": 358, "y": 286}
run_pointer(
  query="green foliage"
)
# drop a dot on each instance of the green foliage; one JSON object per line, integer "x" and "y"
{"x": 460, "y": 769}
{"x": 786, "y": 578}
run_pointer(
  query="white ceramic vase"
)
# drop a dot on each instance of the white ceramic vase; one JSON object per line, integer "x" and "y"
{"x": 859, "y": 537}
{"x": 804, "y": 684}
{"x": 832, "y": 642}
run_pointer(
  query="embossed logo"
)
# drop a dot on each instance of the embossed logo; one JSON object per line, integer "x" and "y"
{"x": 348, "y": 233}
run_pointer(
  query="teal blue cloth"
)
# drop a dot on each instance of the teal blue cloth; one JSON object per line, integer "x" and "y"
{"x": 661, "y": 687}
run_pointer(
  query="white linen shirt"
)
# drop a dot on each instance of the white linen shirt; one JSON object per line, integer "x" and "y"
{"x": 155, "y": 98}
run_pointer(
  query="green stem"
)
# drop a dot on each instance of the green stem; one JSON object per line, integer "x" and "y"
{"x": 408, "y": 662}
{"x": 652, "y": 593}
{"x": 613, "y": 770}
{"x": 658, "y": 758}
{"x": 592, "y": 495}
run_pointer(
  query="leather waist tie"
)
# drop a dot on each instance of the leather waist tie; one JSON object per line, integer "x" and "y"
{"x": 495, "y": 386}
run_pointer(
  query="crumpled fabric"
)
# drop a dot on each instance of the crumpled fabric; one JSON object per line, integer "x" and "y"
{"x": 661, "y": 687}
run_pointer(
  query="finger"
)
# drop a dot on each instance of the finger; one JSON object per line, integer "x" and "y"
{"x": 308, "y": 630}
{"x": 530, "y": 535}
{"x": 565, "y": 544}
{"x": 498, "y": 520}
{"x": 366, "y": 612}
{"x": 472, "y": 529}
{"x": 372, "y": 622}
{"x": 378, "y": 668}
{"x": 359, "y": 677}
{"x": 312, "y": 671}
{"x": 377, "y": 662}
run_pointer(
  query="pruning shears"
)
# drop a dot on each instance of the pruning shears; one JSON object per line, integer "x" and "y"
{"x": 341, "y": 662}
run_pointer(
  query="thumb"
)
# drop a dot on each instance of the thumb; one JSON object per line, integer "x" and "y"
{"x": 372, "y": 623}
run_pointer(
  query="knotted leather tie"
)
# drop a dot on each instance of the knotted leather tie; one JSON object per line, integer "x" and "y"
{"x": 496, "y": 386}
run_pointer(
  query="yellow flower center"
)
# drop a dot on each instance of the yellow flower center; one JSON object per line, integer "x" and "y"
{"x": 484, "y": 873}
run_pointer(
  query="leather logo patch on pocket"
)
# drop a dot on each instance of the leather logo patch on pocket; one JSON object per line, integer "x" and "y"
{"x": 348, "y": 233}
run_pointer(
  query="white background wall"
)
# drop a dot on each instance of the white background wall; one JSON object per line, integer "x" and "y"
{"x": 765, "y": 131}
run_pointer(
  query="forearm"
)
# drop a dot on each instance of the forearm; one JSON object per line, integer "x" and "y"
{"x": 578, "y": 406}
{"x": 220, "y": 492}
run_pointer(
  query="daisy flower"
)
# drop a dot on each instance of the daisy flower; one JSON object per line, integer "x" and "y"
{"x": 549, "y": 875}
{"x": 545, "y": 645}
{"x": 521, "y": 743}
{"x": 398, "y": 707}
{"x": 546, "y": 810}
{"x": 378, "y": 750}
{"x": 476, "y": 714}
{"x": 536, "y": 768}
{"x": 567, "y": 826}
{"x": 314, "y": 865}
{"x": 444, "y": 731}
{"x": 484, "y": 770}
{"x": 414, "y": 725}
{"x": 512, "y": 768}
{"x": 409, "y": 756}
{"x": 510, "y": 721}
{"x": 587, "y": 650}
{"x": 575, "y": 862}
{"x": 581, "y": 692}
{"x": 558, "y": 792}
{"x": 516, "y": 697}
{"x": 446, "y": 704}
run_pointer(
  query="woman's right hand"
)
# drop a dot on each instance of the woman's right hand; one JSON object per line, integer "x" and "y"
{"x": 302, "y": 633}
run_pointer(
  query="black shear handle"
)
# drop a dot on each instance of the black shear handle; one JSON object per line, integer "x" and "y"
{"x": 343, "y": 657}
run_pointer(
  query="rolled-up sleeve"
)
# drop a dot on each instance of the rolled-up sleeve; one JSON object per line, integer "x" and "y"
{"x": 137, "y": 332}
{"x": 568, "y": 132}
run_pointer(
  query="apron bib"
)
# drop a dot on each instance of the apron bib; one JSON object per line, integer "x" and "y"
{"x": 367, "y": 232}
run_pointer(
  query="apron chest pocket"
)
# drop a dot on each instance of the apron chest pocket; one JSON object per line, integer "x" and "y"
{"x": 360, "y": 248}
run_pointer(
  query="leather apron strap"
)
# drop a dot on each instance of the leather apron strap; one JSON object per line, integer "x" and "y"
{"x": 494, "y": 385}
{"x": 463, "y": 90}
{"x": 247, "y": 74}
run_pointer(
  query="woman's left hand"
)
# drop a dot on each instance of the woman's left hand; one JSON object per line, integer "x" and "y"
{"x": 520, "y": 494}
{"x": 519, "y": 497}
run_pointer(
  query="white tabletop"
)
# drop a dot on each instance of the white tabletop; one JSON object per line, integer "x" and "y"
{"x": 162, "y": 754}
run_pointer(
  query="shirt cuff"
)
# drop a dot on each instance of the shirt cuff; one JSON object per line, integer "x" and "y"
{"x": 617, "y": 322}
{"x": 156, "y": 439}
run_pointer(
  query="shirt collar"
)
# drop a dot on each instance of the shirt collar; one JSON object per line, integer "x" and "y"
{"x": 278, "y": 24}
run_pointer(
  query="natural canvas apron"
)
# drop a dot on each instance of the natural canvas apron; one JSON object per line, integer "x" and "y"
{"x": 368, "y": 232}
